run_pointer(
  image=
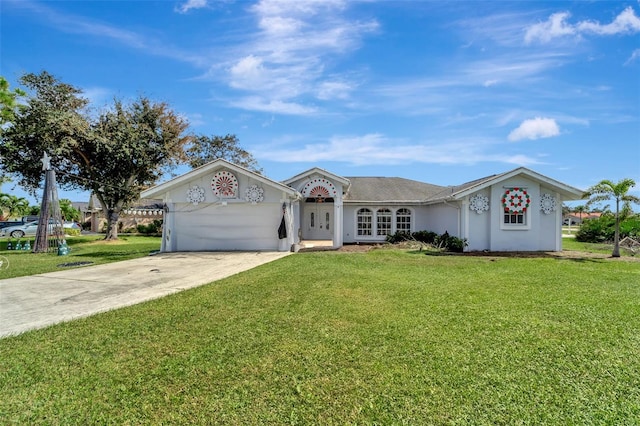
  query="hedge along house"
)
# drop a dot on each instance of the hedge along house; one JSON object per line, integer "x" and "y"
{"x": 221, "y": 206}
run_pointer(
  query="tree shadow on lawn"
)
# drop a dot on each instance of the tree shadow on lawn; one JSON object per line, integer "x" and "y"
{"x": 575, "y": 256}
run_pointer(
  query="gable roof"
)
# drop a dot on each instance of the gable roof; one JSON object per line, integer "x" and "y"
{"x": 317, "y": 170}
{"x": 388, "y": 189}
{"x": 460, "y": 191}
{"x": 158, "y": 190}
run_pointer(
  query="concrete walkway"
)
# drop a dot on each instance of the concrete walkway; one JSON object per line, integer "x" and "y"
{"x": 38, "y": 301}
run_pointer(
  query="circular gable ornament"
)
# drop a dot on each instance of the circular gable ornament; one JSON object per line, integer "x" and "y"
{"x": 479, "y": 203}
{"x": 195, "y": 195}
{"x": 319, "y": 188}
{"x": 254, "y": 194}
{"x": 516, "y": 200}
{"x": 547, "y": 203}
{"x": 224, "y": 184}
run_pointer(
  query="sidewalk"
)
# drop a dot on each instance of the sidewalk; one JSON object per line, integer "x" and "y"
{"x": 38, "y": 301}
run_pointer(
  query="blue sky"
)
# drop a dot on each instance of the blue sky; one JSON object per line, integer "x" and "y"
{"x": 441, "y": 92}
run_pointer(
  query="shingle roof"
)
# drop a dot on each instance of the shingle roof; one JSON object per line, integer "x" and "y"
{"x": 450, "y": 190}
{"x": 389, "y": 189}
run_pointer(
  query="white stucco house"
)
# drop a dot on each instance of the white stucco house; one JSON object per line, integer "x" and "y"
{"x": 221, "y": 206}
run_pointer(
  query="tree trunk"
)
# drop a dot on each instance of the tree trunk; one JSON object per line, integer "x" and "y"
{"x": 112, "y": 224}
{"x": 616, "y": 236}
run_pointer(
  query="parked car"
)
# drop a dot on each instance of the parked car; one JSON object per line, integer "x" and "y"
{"x": 30, "y": 228}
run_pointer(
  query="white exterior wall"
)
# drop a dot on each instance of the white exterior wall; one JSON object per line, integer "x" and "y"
{"x": 418, "y": 221}
{"x": 226, "y": 224}
{"x": 338, "y": 208}
{"x": 477, "y": 225}
{"x": 230, "y": 227}
{"x": 444, "y": 217}
{"x": 539, "y": 233}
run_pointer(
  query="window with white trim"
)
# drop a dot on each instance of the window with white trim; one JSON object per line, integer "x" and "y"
{"x": 514, "y": 219}
{"x": 383, "y": 222}
{"x": 403, "y": 220}
{"x": 365, "y": 222}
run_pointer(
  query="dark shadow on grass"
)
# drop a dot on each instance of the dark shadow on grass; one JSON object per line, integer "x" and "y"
{"x": 493, "y": 255}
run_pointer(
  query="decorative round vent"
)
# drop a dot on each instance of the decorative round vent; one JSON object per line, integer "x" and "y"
{"x": 479, "y": 203}
{"x": 195, "y": 195}
{"x": 224, "y": 184}
{"x": 254, "y": 194}
{"x": 548, "y": 203}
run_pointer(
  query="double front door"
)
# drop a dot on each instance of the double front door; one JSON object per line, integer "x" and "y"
{"x": 318, "y": 221}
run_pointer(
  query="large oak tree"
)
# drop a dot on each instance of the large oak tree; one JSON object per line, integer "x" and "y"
{"x": 114, "y": 155}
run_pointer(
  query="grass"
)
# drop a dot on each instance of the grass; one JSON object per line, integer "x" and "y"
{"x": 384, "y": 337}
{"x": 570, "y": 244}
{"x": 91, "y": 249}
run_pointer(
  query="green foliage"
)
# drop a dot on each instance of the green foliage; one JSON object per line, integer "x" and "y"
{"x": 204, "y": 149}
{"x": 83, "y": 249}
{"x": 72, "y": 232}
{"x": 605, "y": 190}
{"x": 427, "y": 237}
{"x": 445, "y": 241}
{"x": 381, "y": 338}
{"x": 398, "y": 237}
{"x": 12, "y": 206}
{"x": 154, "y": 227}
{"x": 69, "y": 212}
{"x": 8, "y": 102}
{"x": 602, "y": 229}
{"x": 113, "y": 155}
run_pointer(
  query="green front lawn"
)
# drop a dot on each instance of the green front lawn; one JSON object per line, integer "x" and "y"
{"x": 84, "y": 250}
{"x": 384, "y": 337}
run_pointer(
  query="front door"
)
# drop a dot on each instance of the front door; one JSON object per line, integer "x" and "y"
{"x": 318, "y": 221}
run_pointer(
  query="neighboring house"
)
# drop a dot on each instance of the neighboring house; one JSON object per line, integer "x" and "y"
{"x": 577, "y": 218}
{"x": 221, "y": 206}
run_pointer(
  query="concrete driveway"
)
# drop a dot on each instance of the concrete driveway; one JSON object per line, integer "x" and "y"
{"x": 37, "y": 301}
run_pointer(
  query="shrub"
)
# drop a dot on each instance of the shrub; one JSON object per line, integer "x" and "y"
{"x": 71, "y": 231}
{"x": 426, "y": 237}
{"x": 398, "y": 237}
{"x": 599, "y": 230}
{"x": 152, "y": 228}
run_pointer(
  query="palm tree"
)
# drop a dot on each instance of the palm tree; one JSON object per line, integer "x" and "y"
{"x": 581, "y": 210}
{"x": 605, "y": 190}
{"x": 13, "y": 206}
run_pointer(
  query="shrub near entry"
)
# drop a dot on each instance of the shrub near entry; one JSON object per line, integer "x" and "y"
{"x": 445, "y": 241}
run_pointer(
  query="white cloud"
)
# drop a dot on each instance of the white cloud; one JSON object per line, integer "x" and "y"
{"x": 334, "y": 90}
{"x": 625, "y": 22}
{"x": 554, "y": 27}
{"x": 377, "y": 149}
{"x": 557, "y": 26}
{"x": 535, "y": 129}
{"x": 191, "y": 4}
{"x": 256, "y": 103}
{"x": 635, "y": 55}
{"x": 287, "y": 56}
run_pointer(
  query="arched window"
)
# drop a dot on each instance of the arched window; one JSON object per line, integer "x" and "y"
{"x": 403, "y": 220}
{"x": 383, "y": 222}
{"x": 365, "y": 222}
